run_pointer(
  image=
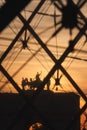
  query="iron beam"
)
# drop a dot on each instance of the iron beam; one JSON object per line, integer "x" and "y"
{"x": 10, "y": 10}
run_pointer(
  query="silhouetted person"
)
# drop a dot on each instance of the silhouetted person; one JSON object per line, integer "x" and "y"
{"x": 38, "y": 76}
{"x": 31, "y": 80}
{"x": 26, "y": 80}
{"x": 23, "y": 83}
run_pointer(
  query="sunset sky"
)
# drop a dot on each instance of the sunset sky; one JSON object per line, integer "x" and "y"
{"x": 26, "y": 62}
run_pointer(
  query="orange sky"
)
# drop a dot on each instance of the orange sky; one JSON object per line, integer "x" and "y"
{"x": 27, "y": 62}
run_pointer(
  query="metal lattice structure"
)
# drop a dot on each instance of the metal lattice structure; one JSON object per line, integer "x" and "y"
{"x": 27, "y": 26}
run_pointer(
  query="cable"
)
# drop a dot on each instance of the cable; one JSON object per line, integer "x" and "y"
{"x": 38, "y": 60}
{"x": 71, "y": 60}
{"x": 14, "y": 60}
{"x": 10, "y": 64}
{"x": 35, "y": 26}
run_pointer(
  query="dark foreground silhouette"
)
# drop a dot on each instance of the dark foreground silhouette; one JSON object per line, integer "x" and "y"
{"x": 54, "y": 110}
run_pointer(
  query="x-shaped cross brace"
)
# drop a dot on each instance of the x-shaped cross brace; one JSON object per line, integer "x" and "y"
{"x": 43, "y": 45}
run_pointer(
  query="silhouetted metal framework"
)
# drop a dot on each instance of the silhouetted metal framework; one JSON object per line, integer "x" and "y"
{"x": 15, "y": 7}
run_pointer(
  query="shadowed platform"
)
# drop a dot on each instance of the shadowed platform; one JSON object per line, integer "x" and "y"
{"x": 54, "y": 110}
